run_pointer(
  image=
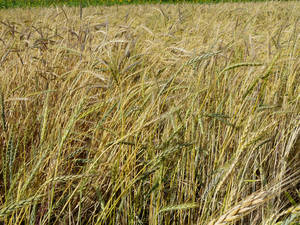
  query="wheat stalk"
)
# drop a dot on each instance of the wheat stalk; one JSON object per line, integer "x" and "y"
{"x": 255, "y": 200}
{"x": 243, "y": 208}
{"x": 3, "y": 117}
{"x": 237, "y": 65}
{"x": 18, "y": 205}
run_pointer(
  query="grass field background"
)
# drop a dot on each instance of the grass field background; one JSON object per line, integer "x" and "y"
{"x": 86, "y": 3}
{"x": 150, "y": 114}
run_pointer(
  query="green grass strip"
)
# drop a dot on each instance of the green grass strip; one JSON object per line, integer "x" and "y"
{"x": 49, "y": 3}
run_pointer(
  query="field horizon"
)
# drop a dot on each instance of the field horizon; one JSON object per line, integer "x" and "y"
{"x": 150, "y": 114}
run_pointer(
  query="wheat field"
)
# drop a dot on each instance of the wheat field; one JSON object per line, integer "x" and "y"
{"x": 151, "y": 114}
